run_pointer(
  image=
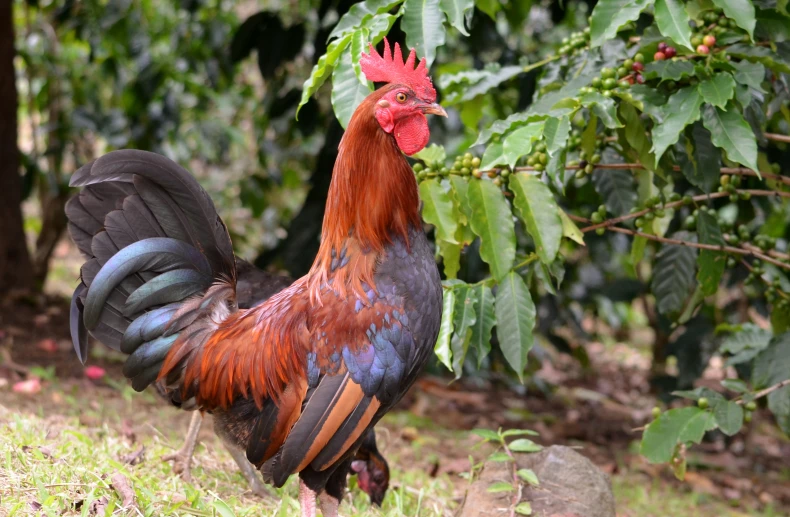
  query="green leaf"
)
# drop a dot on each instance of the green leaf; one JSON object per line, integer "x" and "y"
{"x": 780, "y": 318}
{"x": 523, "y": 508}
{"x": 519, "y": 432}
{"x": 456, "y": 11}
{"x": 750, "y": 74}
{"x": 711, "y": 263}
{"x": 466, "y": 85}
{"x": 673, "y": 276}
{"x": 442, "y": 348}
{"x": 439, "y": 210}
{"x": 508, "y": 124}
{"x": 529, "y": 476}
{"x": 359, "y": 42}
{"x": 519, "y": 142}
{"x": 500, "y": 486}
{"x": 702, "y": 162}
{"x": 463, "y": 319}
{"x": 487, "y": 434}
{"x": 762, "y": 55}
{"x": 637, "y": 251}
{"x": 451, "y": 258}
{"x": 490, "y": 7}
{"x": 730, "y": 132}
{"x": 524, "y": 445}
{"x": 222, "y": 508}
{"x": 347, "y": 91}
{"x": 493, "y": 155}
{"x": 555, "y": 133}
{"x": 590, "y": 135}
{"x": 569, "y": 228}
{"x": 736, "y": 385}
{"x": 718, "y": 89}
{"x": 499, "y": 457}
{"x": 493, "y": 223}
{"x": 609, "y": 15}
{"x": 741, "y": 11}
{"x": 772, "y": 364}
{"x": 380, "y": 25}
{"x": 359, "y": 13}
{"x": 645, "y": 98}
{"x": 484, "y": 322}
{"x": 682, "y": 109}
{"x": 539, "y": 211}
{"x": 515, "y": 315}
{"x": 672, "y": 427}
{"x": 635, "y": 136}
{"x": 771, "y": 367}
{"x": 745, "y": 344}
{"x": 432, "y": 155}
{"x": 322, "y": 69}
{"x": 423, "y": 23}
{"x": 729, "y": 417}
{"x": 604, "y": 107}
{"x": 669, "y": 70}
{"x": 616, "y": 187}
{"x": 673, "y": 21}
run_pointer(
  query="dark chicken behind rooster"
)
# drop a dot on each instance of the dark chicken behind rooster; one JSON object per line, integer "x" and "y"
{"x": 298, "y": 380}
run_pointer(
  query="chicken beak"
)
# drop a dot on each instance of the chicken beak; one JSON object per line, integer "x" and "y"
{"x": 434, "y": 109}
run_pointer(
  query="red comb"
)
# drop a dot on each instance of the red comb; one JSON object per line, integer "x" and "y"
{"x": 386, "y": 69}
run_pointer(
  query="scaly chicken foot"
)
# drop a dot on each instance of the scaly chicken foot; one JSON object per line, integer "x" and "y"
{"x": 248, "y": 471}
{"x": 307, "y": 500}
{"x": 182, "y": 458}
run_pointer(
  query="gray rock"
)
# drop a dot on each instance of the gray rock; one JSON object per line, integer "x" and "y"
{"x": 570, "y": 486}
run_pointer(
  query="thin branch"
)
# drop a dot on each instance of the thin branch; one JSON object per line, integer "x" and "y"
{"x": 678, "y": 242}
{"x": 673, "y": 204}
{"x": 770, "y": 389}
{"x": 777, "y": 138}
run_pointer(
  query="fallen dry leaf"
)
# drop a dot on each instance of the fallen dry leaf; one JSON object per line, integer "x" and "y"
{"x": 99, "y": 506}
{"x": 28, "y": 387}
{"x": 43, "y": 449}
{"x": 121, "y": 485}
{"x": 133, "y": 458}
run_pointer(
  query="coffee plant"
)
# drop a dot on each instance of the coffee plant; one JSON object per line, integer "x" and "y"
{"x": 637, "y": 152}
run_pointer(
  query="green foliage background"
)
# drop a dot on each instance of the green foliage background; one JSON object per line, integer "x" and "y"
{"x": 578, "y": 173}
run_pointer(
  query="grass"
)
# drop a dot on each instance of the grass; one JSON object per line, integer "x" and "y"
{"x": 60, "y": 449}
{"x": 64, "y": 462}
{"x": 641, "y": 497}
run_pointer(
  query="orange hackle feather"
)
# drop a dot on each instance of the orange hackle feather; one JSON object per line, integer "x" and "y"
{"x": 373, "y": 198}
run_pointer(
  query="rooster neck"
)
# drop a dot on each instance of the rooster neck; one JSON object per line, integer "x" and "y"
{"x": 372, "y": 199}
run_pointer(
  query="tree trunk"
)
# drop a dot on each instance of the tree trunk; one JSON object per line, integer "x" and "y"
{"x": 16, "y": 270}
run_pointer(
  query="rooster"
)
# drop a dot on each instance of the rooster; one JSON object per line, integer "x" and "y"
{"x": 297, "y": 381}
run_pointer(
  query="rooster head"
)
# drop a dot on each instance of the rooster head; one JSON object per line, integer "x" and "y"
{"x": 407, "y": 98}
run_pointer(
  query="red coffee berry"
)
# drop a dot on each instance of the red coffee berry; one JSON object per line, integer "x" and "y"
{"x": 709, "y": 40}
{"x": 703, "y": 49}
{"x": 660, "y": 56}
{"x": 640, "y": 79}
{"x": 670, "y": 52}
{"x": 638, "y": 67}
{"x": 662, "y": 47}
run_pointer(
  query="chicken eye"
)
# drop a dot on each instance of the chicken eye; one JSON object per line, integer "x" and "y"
{"x": 400, "y": 97}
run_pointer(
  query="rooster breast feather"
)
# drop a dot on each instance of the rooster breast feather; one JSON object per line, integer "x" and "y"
{"x": 320, "y": 375}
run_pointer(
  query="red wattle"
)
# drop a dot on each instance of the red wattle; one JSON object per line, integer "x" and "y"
{"x": 412, "y": 133}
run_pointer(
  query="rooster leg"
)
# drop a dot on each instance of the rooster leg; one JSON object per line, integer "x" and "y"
{"x": 306, "y": 500}
{"x": 249, "y": 472}
{"x": 182, "y": 458}
{"x": 328, "y": 504}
